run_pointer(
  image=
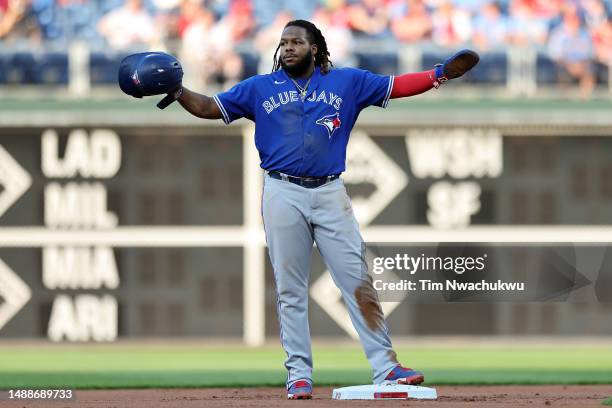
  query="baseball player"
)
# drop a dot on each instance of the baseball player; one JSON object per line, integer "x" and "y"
{"x": 304, "y": 112}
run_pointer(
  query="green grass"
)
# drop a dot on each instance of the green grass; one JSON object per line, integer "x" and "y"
{"x": 181, "y": 366}
{"x": 607, "y": 401}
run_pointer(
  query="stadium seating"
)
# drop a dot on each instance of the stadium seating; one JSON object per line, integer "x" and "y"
{"x": 546, "y": 70}
{"x": 52, "y": 69}
{"x": 4, "y": 67}
{"x": 381, "y": 63}
{"x": 103, "y": 67}
{"x": 61, "y": 23}
{"x": 22, "y": 68}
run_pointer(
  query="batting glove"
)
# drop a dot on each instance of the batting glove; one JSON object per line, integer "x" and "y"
{"x": 455, "y": 66}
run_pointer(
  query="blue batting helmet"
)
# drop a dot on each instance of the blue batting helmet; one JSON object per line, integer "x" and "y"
{"x": 149, "y": 73}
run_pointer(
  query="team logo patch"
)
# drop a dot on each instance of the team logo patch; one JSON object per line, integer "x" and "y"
{"x": 330, "y": 122}
{"x": 135, "y": 78}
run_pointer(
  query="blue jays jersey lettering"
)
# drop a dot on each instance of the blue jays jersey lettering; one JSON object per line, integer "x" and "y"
{"x": 304, "y": 137}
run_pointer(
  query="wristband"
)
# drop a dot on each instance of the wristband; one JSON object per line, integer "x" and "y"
{"x": 440, "y": 76}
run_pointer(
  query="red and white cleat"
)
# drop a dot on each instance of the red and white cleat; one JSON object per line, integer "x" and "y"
{"x": 403, "y": 375}
{"x": 301, "y": 389}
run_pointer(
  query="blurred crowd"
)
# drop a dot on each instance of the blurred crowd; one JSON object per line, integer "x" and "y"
{"x": 577, "y": 34}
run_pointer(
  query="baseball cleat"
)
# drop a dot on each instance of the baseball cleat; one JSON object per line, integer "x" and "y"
{"x": 300, "y": 389}
{"x": 403, "y": 375}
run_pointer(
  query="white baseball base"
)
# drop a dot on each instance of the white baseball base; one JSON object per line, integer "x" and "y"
{"x": 384, "y": 391}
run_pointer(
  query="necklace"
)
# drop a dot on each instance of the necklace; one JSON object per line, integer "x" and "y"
{"x": 303, "y": 90}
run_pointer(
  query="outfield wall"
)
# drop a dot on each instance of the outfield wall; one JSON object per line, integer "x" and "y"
{"x": 119, "y": 225}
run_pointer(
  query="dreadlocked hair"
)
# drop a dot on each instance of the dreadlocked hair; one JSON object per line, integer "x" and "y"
{"x": 314, "y": 37}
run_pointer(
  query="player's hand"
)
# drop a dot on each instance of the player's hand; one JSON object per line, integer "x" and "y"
{"x": 172, "y": 96}
{"x": 151, "y": 73}
{"x": 456, "y": 65}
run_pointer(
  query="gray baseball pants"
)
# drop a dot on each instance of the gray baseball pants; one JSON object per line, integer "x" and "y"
{"x": 295, "y": 217}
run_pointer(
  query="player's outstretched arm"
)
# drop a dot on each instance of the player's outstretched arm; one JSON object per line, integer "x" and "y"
{"x": 199, "y": 105}
{"x": 419, "y": 82}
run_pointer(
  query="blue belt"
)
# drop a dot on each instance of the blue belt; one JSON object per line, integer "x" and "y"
{"x": 307, "y": 182}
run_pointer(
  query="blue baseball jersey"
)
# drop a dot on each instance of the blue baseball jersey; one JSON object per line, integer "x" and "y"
{"x": 309, "y": 137}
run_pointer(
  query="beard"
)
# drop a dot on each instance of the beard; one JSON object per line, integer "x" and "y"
{"x": 299, "y": 67}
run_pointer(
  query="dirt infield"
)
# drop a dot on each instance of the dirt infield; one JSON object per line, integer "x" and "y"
{"x": 449, "y": 396}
